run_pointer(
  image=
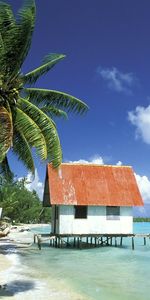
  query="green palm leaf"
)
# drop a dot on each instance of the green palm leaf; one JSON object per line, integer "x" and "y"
{"x": 6, "y": 132}
{"x": 5, "y": 171}
{"x": 7, "y": 22}
{"x": 23, "y": 150}
{"x": 26, "y": 25}
{"x": 48, "y": 63}
{"x": 32, "y": 118}
{"x": 53, "y": 112}
{"x": 31, "y": 132}
{"x": 56, "y": 99}
{"x": 54, "y": 153}
{"x": 17, "y": 39}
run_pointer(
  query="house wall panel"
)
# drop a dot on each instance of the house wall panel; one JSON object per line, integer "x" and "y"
{"x": 96, "y": 221}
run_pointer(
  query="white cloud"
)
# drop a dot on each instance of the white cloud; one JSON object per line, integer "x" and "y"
{"x": 140, "y": 118}
{"x": 34, "y": 184}
{"x": 144, "y": 187}
{"x": 119, "y": 163}
{"x": 116, "y": 80}
{"x": 96, "y": 159}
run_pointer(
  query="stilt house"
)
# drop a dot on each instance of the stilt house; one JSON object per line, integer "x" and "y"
{"x": 91, "y": 199}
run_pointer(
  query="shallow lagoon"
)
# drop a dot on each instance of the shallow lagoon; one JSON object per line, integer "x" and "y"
{"x": 106, "y": 273}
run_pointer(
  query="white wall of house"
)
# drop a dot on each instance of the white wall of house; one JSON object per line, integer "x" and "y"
{"x": 96, "y": 221}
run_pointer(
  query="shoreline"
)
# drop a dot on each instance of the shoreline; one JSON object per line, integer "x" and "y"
{"x": 19, "y": 280}
{"x": 5, "y": 257}
{"x": 5, "y": 264}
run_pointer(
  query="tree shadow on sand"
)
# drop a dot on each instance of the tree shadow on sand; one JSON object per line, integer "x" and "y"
{"x": 15, "y": 287}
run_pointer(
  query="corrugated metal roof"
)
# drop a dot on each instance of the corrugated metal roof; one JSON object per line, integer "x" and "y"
{"x": 76, "y": 184}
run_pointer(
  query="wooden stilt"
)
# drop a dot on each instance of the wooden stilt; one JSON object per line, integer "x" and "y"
{"x": 132, "y": 243}
{"x": 80, "y": 243}
{"x": 62, "y": 240}
{"x": 39, "y": 243}
{"x": 59, "y": 242}
{"x": 35, "y": 238}
{"x": 121, "y": 241}
{"x": 56, "y": 242}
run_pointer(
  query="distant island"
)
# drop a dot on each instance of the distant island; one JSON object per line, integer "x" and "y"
{"x": 140, "y": 219}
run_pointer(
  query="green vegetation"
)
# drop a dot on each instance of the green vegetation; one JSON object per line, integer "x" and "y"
{"x": 21, "y": 205}
{"x": 27, "y": 114}
{"x": 139, "y": 219}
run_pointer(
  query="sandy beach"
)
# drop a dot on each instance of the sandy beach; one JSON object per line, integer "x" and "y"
{"x": 19, "y": 280}
{"x": 4, "y": 263}
{"x": 14, "y": 237}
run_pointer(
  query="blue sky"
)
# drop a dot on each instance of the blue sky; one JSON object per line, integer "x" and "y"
{"x": 107, "y": 44}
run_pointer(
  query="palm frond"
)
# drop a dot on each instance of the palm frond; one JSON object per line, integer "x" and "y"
{"x": 53, "y": 112}
{"x": 26, "y": 23}
{"x": 23, "y": 150}
{"x": 7, "y": 22}
{"x": 5, "y": 171}
{"x": 31, "y": 118}
{"x": 48, "y": 63}
{"x": 32, "y": 132}
{"x": 17, "y": 39}
{"x": 6, "y": 132}
{"x": 54, "y": 153}
{"x": 1, "y": 48}
{"x": 56, "y": 99}
{"x": 7, "y": 19}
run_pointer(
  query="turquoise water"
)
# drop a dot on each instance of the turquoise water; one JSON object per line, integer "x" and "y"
{"x": 107, "y": 273}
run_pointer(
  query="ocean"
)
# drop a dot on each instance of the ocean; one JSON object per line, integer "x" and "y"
{"x": 106, "y": 273}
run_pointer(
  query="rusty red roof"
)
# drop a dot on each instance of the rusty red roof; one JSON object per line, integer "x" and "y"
{"x": 76, "y": 184}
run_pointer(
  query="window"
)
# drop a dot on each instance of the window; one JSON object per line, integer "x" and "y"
{"x": 112, "y": 212}
{"x": 80, "y": 212}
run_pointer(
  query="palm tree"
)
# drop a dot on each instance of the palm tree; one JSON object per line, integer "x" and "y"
{"x": 26, "y": 114}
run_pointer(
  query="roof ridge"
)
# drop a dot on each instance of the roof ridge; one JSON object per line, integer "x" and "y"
{"x": 97, "y": 165}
